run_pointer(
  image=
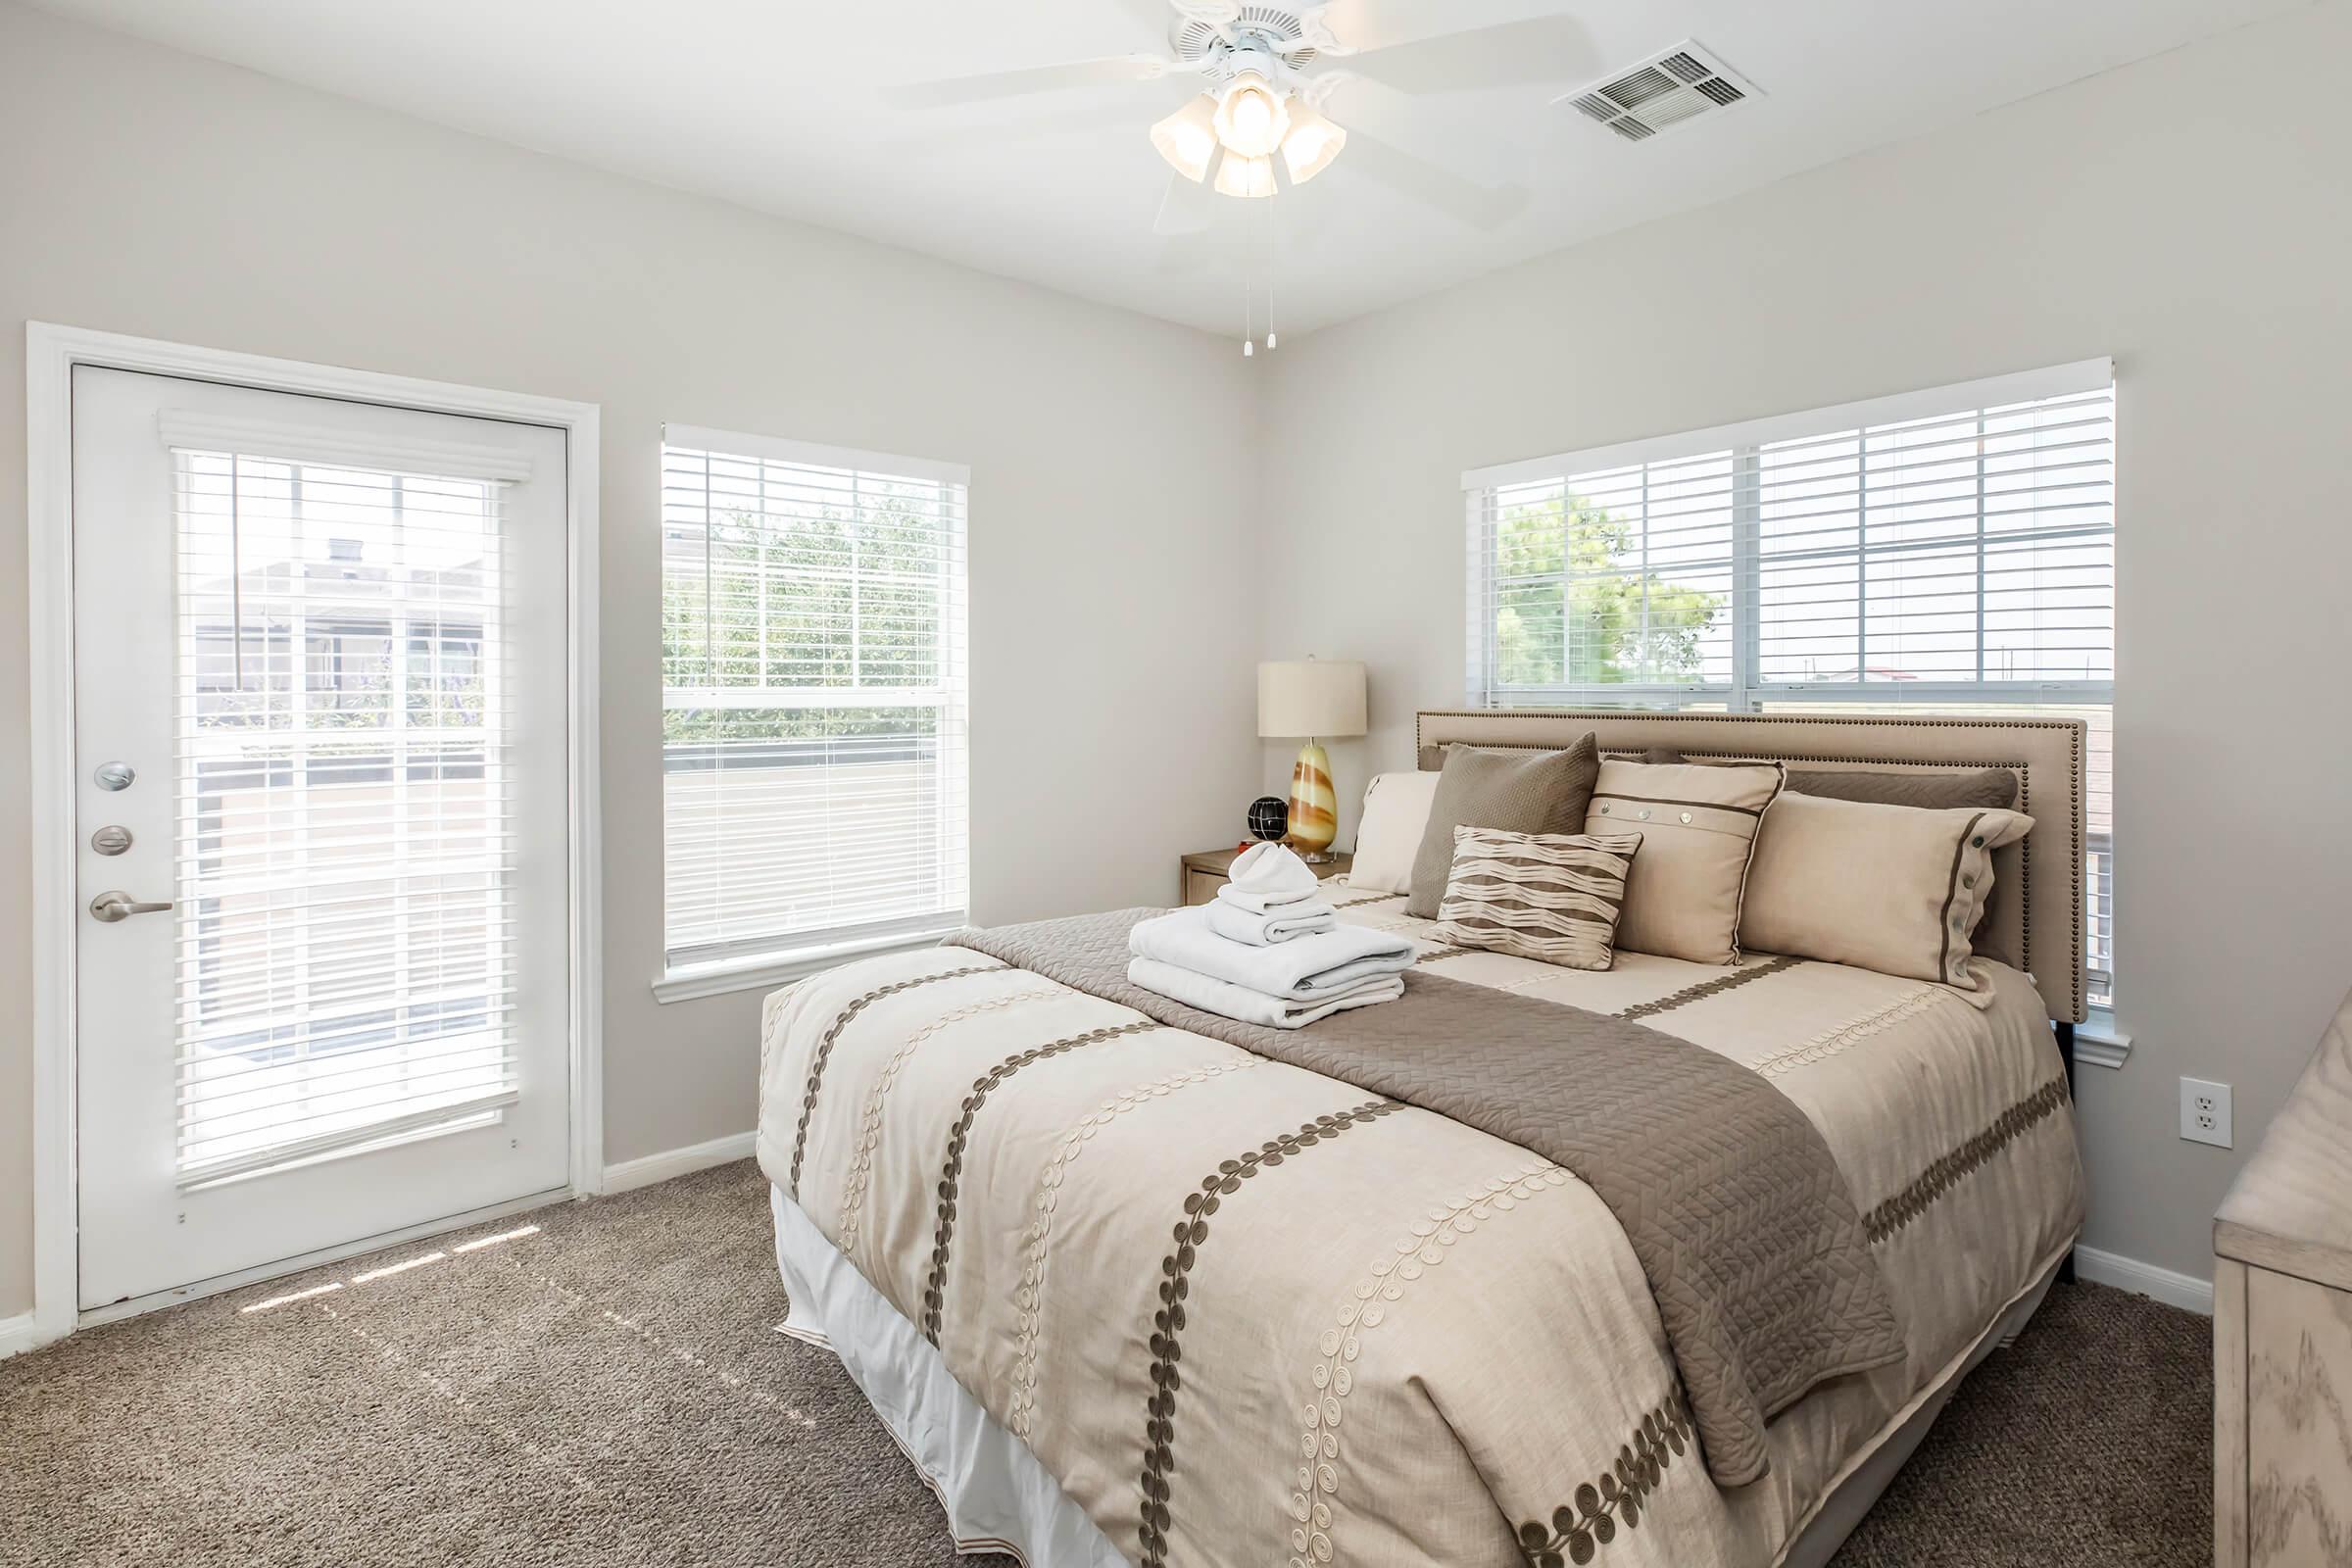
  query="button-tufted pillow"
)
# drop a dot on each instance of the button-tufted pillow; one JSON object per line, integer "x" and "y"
{"x": 1697, "y": 825}
{"x": 1897, "y": 889}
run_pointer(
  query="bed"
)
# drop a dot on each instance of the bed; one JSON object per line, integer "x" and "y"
{"x": 1130, "y": 1292}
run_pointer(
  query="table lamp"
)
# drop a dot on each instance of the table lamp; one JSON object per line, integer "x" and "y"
{"x": 1311, "y": 698}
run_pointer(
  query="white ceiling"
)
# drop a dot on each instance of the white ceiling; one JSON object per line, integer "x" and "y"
{"x": 787, "y": 107}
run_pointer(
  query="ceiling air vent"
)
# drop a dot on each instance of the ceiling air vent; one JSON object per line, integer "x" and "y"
{"x": 1661, "y": 93}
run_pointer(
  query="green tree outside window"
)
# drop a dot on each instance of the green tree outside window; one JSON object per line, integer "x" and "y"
{"x": 1574, "y": 607}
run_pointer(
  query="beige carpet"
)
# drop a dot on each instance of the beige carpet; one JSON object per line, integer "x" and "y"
{"x": 611, "y": 1391}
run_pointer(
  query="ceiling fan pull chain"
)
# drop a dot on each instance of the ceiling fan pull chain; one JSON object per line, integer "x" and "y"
{"x": 1271, "y": 251}
{"x": 1249, "y": 308}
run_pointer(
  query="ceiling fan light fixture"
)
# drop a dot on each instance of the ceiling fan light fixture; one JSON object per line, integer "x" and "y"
{"x": 1187, "y": 138}
{"x": 1245, "y": 176}
{"x": 1252, "y": 117}
{"x": 1311, "y": 144}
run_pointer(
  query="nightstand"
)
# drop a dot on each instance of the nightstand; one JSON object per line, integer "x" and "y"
{"x": 1205, "y": 872}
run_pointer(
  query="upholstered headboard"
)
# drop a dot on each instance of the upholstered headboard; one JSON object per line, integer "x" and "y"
{"x": 2037, "y": 910}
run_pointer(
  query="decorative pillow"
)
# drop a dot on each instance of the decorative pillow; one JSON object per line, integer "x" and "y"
{"x": 1698, "y": 827}
{"x": 1514, "y": 790}
{"x": 1388, "y": 834}
{"x": 1985, "y": 789}
{"x": 1550, "y": 897}
{"x": 1892, "y": 888}
{"x": 1976, "y": 790}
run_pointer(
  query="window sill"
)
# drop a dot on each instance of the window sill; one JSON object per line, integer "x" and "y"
{"x": 690, "y": 982}
{"x": 2099, "y": 1042}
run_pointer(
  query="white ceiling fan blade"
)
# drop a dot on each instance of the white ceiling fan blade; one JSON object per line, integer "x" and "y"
{"x": 1187, "y": 207}
{"x": 1162, "y": 16}
{"x": 1359, "y": 26}
{"x": 1541, "y": 49}
{"x": 1380, "y": 112}
{"x": 1237, "y": 235}
{"x": 996, "y": 84}
{"x": 1481, "y": 207}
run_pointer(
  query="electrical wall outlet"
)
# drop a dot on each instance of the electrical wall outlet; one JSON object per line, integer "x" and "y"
{"x": 2205, "y": 1111}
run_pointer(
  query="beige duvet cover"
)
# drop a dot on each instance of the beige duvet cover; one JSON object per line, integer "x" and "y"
{"x": 1393, "y": 1339}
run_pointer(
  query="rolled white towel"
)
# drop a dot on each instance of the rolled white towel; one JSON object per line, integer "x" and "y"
{"x": 1284, "y": 922}
{"x": 1308, "y": 968}
{"x": 1229, "y": 1001}
{"x": 1265, "y": 876}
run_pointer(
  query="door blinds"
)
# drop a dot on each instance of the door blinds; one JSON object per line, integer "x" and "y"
{"x": 344, "y": 911}
{"x": 814, "y": 697}
{"x": 1952, "y": 548}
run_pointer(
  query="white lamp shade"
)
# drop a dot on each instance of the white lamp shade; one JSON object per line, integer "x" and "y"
{"x": 1187, "y": 138}
{"x": 1244, "y": 176}
{"x": 1312, "y": 143}
{"x": 1302, "y": 696}
{"x": 1252, "y": 117}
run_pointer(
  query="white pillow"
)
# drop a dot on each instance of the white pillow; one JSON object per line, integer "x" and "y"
{"x": 1389, "y": 834}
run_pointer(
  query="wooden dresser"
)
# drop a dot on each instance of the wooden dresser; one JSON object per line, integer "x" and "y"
{"x": 2283, "y": 1332}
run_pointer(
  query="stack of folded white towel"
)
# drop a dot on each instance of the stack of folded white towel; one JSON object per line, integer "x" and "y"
{"x": 1268, "y": 949}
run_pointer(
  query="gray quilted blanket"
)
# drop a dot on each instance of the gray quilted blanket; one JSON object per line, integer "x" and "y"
{"x": 1735, "y": 1206}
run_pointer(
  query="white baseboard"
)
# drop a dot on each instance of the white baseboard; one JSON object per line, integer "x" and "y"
{"x": 678, "y": 1162}
{"x": 18, "y": 1334}
{"x": 2183, "y": 1291}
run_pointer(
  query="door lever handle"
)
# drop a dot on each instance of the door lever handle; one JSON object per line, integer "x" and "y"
{"x": 115, "y": 905}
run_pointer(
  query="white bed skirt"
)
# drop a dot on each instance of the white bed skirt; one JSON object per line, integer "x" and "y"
{"x": 998, "y": 1498}
{"x": 997, "y": 1495}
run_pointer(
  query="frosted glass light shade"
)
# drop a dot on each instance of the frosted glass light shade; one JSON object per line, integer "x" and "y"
{"x": 1244, "y": 176}
{"x": 1312, "y": 143}
{"x": 1187, "y": 138}
{"x": 1251, "y": 119}
{"x": 1300, "y": 696}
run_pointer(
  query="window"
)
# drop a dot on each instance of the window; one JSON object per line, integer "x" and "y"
{"x": 813, "y": 697}
{"x": 1952, "y": 550}
{"x": 348, "y": 723}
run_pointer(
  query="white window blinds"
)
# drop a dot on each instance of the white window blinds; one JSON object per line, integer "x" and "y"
{"x": 814, "y": 697}
{"x": 1951, "y": 549}
{"x": 346, "y": 902}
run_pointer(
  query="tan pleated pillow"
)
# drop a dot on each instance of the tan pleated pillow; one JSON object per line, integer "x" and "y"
{"x": 1698, "y": 827}
{"x": 1550, "y": 897}
{"x": 1897, "y": 889}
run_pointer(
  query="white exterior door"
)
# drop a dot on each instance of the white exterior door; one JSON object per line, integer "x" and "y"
{"x": 320, "y": 716}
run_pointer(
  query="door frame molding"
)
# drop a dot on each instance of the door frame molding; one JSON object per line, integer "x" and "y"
{"x": 51, "y": 352}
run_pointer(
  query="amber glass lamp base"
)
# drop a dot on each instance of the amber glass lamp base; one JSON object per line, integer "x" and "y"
{"x": 1314, "y": 809}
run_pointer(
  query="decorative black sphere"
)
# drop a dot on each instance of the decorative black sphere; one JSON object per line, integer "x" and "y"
{"x": 1269, "y": 817}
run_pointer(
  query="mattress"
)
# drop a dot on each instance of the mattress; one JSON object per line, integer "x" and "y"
{"x": 1405, "y": 1340}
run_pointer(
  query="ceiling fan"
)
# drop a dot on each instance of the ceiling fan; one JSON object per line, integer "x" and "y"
{"x": 1258, "y": 126}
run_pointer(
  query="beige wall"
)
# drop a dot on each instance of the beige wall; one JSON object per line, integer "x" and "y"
{"x": 2182, "y": 215}
{"x": 148, "y": 192}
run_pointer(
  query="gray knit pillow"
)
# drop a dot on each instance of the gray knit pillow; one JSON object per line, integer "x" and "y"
{"x": 1985, "y": 789}
{"x": 1514, "y": 790}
